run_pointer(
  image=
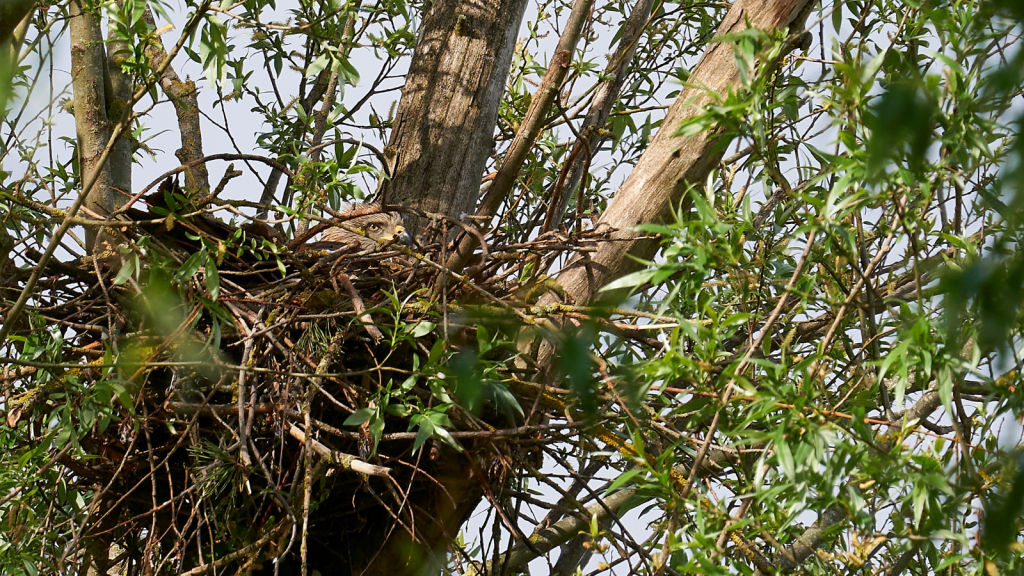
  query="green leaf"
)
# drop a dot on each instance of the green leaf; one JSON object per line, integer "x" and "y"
{"x": 212, "y": 279}
{"x": 348, "y": 72}
{"x": 358, "y": 417}
{"x": 506, "y": 401}
{"x": 425, "y": 433}
{"x": 871, "y": 68}
{"x": 126, "y": 272}
{"x": 446, "y": 437}
{"x": 318, "y": 65}
{"x": 785, "y": 455}
{"x": 189, "y": 268}
{"x": 422, "y": 329}
{"x": 637, "y": 278}
{"x": 622, "y": 480}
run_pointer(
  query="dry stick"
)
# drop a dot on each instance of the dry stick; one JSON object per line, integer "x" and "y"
{"x": 531, "y": 127}
{"x": 359, "y": 307}
{"x": 37, "y": 272}
{"x": 307, "y": 492}
{"x": 606, "y": 94}
{"x": 224, "y": 156}
{"x": 240, "y": 553}
{"x": 243, "y": 431}
{"x": 242, "y": 436}
{"x": 339, "y": 459}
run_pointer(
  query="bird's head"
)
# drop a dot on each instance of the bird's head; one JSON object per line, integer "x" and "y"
{"x": 372, "y": 232}
{"x": 387, "y": 230}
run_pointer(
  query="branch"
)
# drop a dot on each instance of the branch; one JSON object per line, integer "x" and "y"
{"x": 12, "y": 12}
{"x": 241, "y": 552}
{"x": 605, "y": 97}
{"x": 557, "y": 534}
{"x": 532, "y": 124}
{"x": 90, "y": 181}
{"x": 795, "y": 554}
{"x": 339, "y": 459}
{"x": 184, "y": 96}
{"x": 671, "y": 162}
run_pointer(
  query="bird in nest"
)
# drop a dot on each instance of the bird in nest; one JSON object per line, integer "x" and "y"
{"x": 372, "y": 232}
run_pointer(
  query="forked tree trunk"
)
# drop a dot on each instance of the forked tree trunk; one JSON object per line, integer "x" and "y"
{"x": 88, "y": 81}
{"x": 438, "y": 167}
{"x": 444, "y": 128}
{"x": 442, "y": 137}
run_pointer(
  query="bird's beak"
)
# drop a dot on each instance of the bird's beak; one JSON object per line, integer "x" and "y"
{"x": 403, "y": 236}
{"x": 400, "y": 235}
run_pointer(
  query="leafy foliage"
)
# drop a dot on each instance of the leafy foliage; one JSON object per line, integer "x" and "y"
{"x": 819, "y": 371}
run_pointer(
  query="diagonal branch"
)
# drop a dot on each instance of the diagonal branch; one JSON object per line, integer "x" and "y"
{"x": 531, "y": 127}
{"x": 671, "y": 162}
{"x": 184, "y": 96}
{"x": 559, "y": 533}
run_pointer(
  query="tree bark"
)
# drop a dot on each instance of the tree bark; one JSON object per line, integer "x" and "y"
{"x": 671, "y": 162}
{"x": 442, "y": 137}
{"x": 185, "y": 97}
{"x": 88, "y": 79}
{"x": 444, "y": 127}
{"x": 533, "y": 123}
{"x": 118, "y": 94}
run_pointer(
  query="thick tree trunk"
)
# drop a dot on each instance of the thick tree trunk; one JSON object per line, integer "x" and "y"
{"x": 441, "y": 140}
{"x": 672, "y": 162}
{"x": 88, "y": 80}
{"x": 444, "y": 128}
{"x": 530, "y": 129}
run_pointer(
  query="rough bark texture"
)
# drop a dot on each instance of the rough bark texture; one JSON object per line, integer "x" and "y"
{"x": 439, "y": 146}
{"x": 444, "y": 126}
{"x": 88, "y": 61}
{"x": 185, "y": 97}
{"x": 670, "y": 162}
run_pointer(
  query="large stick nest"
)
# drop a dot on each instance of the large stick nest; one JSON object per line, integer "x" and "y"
{"x": 201, "y": 357}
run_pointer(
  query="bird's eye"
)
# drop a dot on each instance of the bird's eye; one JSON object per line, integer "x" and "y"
{"x": 373, "y": 227}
